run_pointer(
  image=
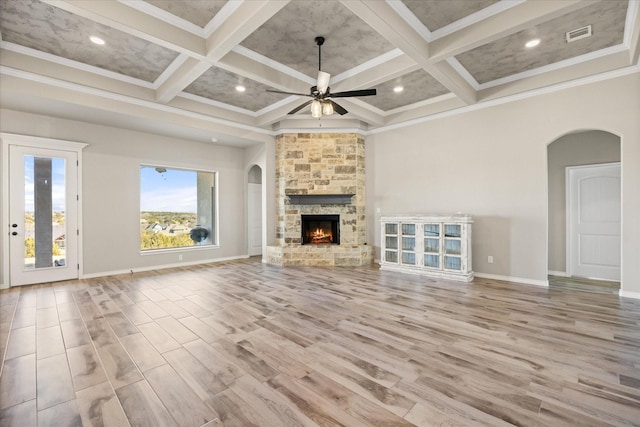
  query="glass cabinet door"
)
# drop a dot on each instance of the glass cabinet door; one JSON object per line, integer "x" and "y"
{"x": 432, "y": 245}
{"x": 452, "y": 247}
{"x": 391, "y": 242}
{"x": 408, "y": 244}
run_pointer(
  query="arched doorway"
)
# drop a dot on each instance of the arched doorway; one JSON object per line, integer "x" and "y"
{"x": 254, "y": 211}
{"x": 573, "y": 155}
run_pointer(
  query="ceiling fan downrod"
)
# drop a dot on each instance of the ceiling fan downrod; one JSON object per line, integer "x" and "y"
{"x": 319, "y": 42}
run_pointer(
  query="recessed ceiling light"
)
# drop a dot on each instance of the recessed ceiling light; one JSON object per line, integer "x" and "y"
{"x": 97, "y": 40}
{"x": 240, "y": 88}
{"x": 398, "y": 89}
{"x": 214, "y": 139}
{"x": 532, "y": 43}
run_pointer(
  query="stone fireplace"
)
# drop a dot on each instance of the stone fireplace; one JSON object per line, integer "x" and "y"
{"x": 320, "y": 178}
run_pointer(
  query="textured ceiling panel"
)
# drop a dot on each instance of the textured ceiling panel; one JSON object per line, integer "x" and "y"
{"x": 289, "y": 36}
{"x": 435, "y": 14}
{"x": 198, "y": 12}
{"x": 219, "y": 85}
{"x": 417, "y": 86}
{"x": 508, "y": 55}
{"x": 61, "y": 33}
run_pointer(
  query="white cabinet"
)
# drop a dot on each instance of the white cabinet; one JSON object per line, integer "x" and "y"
{"x": 432, "y": 245}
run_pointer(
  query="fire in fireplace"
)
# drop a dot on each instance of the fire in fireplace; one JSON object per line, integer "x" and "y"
{"x": 320, "y": 229}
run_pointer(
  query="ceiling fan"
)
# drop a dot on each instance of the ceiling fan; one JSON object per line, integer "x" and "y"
{"x": 322, "y": 102}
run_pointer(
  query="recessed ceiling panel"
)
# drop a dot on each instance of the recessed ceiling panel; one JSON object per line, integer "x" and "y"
{"x": 198, "y": 12}
{"x": 435, "y": 14}
{"x": 220, "y": 85}
{"x": 509, "y": 55}
{"x": 48, "y": 29}
{"x": 416, "y": 86}
{"x": 289, "y": 36}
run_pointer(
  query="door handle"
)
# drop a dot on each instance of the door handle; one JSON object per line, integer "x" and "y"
{"x": 14, "y": 225}
{"x": 15, "y": 233}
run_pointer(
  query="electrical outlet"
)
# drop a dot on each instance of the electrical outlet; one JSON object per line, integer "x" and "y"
{"x": 490, "y": 259}
{"x": 180, "y": 257}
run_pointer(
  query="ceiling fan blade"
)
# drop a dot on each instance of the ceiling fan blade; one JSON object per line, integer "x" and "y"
{"x": 300, "y": 107}
{"x": 363, "y": 92}
{"x": 323, "y": 81}
{"x": 338, "y": 109}
{"x": 287, "y": 93}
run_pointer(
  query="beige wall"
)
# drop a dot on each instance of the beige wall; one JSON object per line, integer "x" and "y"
{"x": 492, "y": 163}
{"x": 582, "y": 148}
{"x": 110, "y": 183}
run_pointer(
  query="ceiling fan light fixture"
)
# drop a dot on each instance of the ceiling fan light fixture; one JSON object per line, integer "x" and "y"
{"x": 327, "y": 108}
{"x": 316, "y": 109}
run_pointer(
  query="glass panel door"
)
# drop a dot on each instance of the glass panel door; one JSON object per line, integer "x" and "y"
{"x": 43, "y": 215}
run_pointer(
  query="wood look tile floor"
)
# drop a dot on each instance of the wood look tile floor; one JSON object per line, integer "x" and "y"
{"x": 246, "y": 344}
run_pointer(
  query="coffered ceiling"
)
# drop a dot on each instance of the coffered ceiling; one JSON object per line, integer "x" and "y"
{"x": 173, "y": 66}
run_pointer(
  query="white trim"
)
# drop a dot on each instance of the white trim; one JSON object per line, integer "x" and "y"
{"x": 514, "y": 280}
{"x": 160, "y": 267}
{"x": 372, "y": 63}
{"x": 8, "y": 139}
{"x": 248, "y": 53}
{"x": 165, "y": 16}
{"x": 223, "y": 14}
{"x": 629, "y": 24}
{"x": 214, "y": 103}
{"x": 320, "y": 130}
{"x": 410, "y": 18}
{"x": 555, "y": 66}
{"x": 464, "y": 73}
{"x": 168, "y": 72}
{"x": 129, "y": 100}
{"x": 478, "y": 16}
{"x": 627, "y": 294}
{"x": 75, "y": 64}
{"x": 510, "y": 98}
{"x": 558, "y": 273}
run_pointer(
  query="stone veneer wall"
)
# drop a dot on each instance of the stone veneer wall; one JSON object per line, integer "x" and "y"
{"x": 310, "y": 163}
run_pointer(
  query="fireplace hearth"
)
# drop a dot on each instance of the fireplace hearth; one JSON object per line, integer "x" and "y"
{"x": 320, "y": 229}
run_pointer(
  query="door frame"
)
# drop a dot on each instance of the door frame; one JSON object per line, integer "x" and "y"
{"x": 569, "y": 221}
{"x": 36, "y": 142}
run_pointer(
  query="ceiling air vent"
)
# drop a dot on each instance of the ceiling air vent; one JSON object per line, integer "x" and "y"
{"x": 579, "y": 33}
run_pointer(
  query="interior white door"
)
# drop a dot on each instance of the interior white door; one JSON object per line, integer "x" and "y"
{"x": 43, "y": 215}
{"x": 594, "y": 221}
{"x": 254, "y": 207}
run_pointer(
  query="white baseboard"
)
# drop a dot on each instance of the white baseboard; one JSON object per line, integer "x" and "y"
{"x": 3, "y": 286}
{"x": 628, "y": 294}
{"x": 558, "y": 273}
{"x": 517, "y": 280}
{"x": 159, "y": 267}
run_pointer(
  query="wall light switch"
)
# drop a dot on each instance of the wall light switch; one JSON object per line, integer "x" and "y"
{"x": 490, "y": 259}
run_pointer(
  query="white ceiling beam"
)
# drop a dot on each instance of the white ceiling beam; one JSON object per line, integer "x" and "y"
{"x": 633, "y": 26}
{"x": 262, "y": 73}
{"x": 383, "y": 18}
{"x": 243, "y": 21}
{"x": 510, "y": 21}
{"x": 136, "y": 23}
{"x": 384, "y": 72}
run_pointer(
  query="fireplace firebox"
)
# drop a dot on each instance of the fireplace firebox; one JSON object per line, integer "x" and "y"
{"x": 320, "y": 229}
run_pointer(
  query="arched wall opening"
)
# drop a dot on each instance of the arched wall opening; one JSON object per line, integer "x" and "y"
{"x": 254, "y": 211}
{"x": 575, "y": 149}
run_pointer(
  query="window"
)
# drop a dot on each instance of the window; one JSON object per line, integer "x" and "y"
{"x": 177, "y": 208}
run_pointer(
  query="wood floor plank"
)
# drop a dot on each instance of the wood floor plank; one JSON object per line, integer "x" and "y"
{"x": 181, "y": 401}
{"x": 86, "y": 368}
{"x": 61, "y": 415}
{"x": 118, "y": 366}
{"x": 99, "y": 407}
{"x": 23, "y": 414}
{"x": 241, "y": 343}
{"x": 54, "y": 381}
{"x": 142, "y": 406}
